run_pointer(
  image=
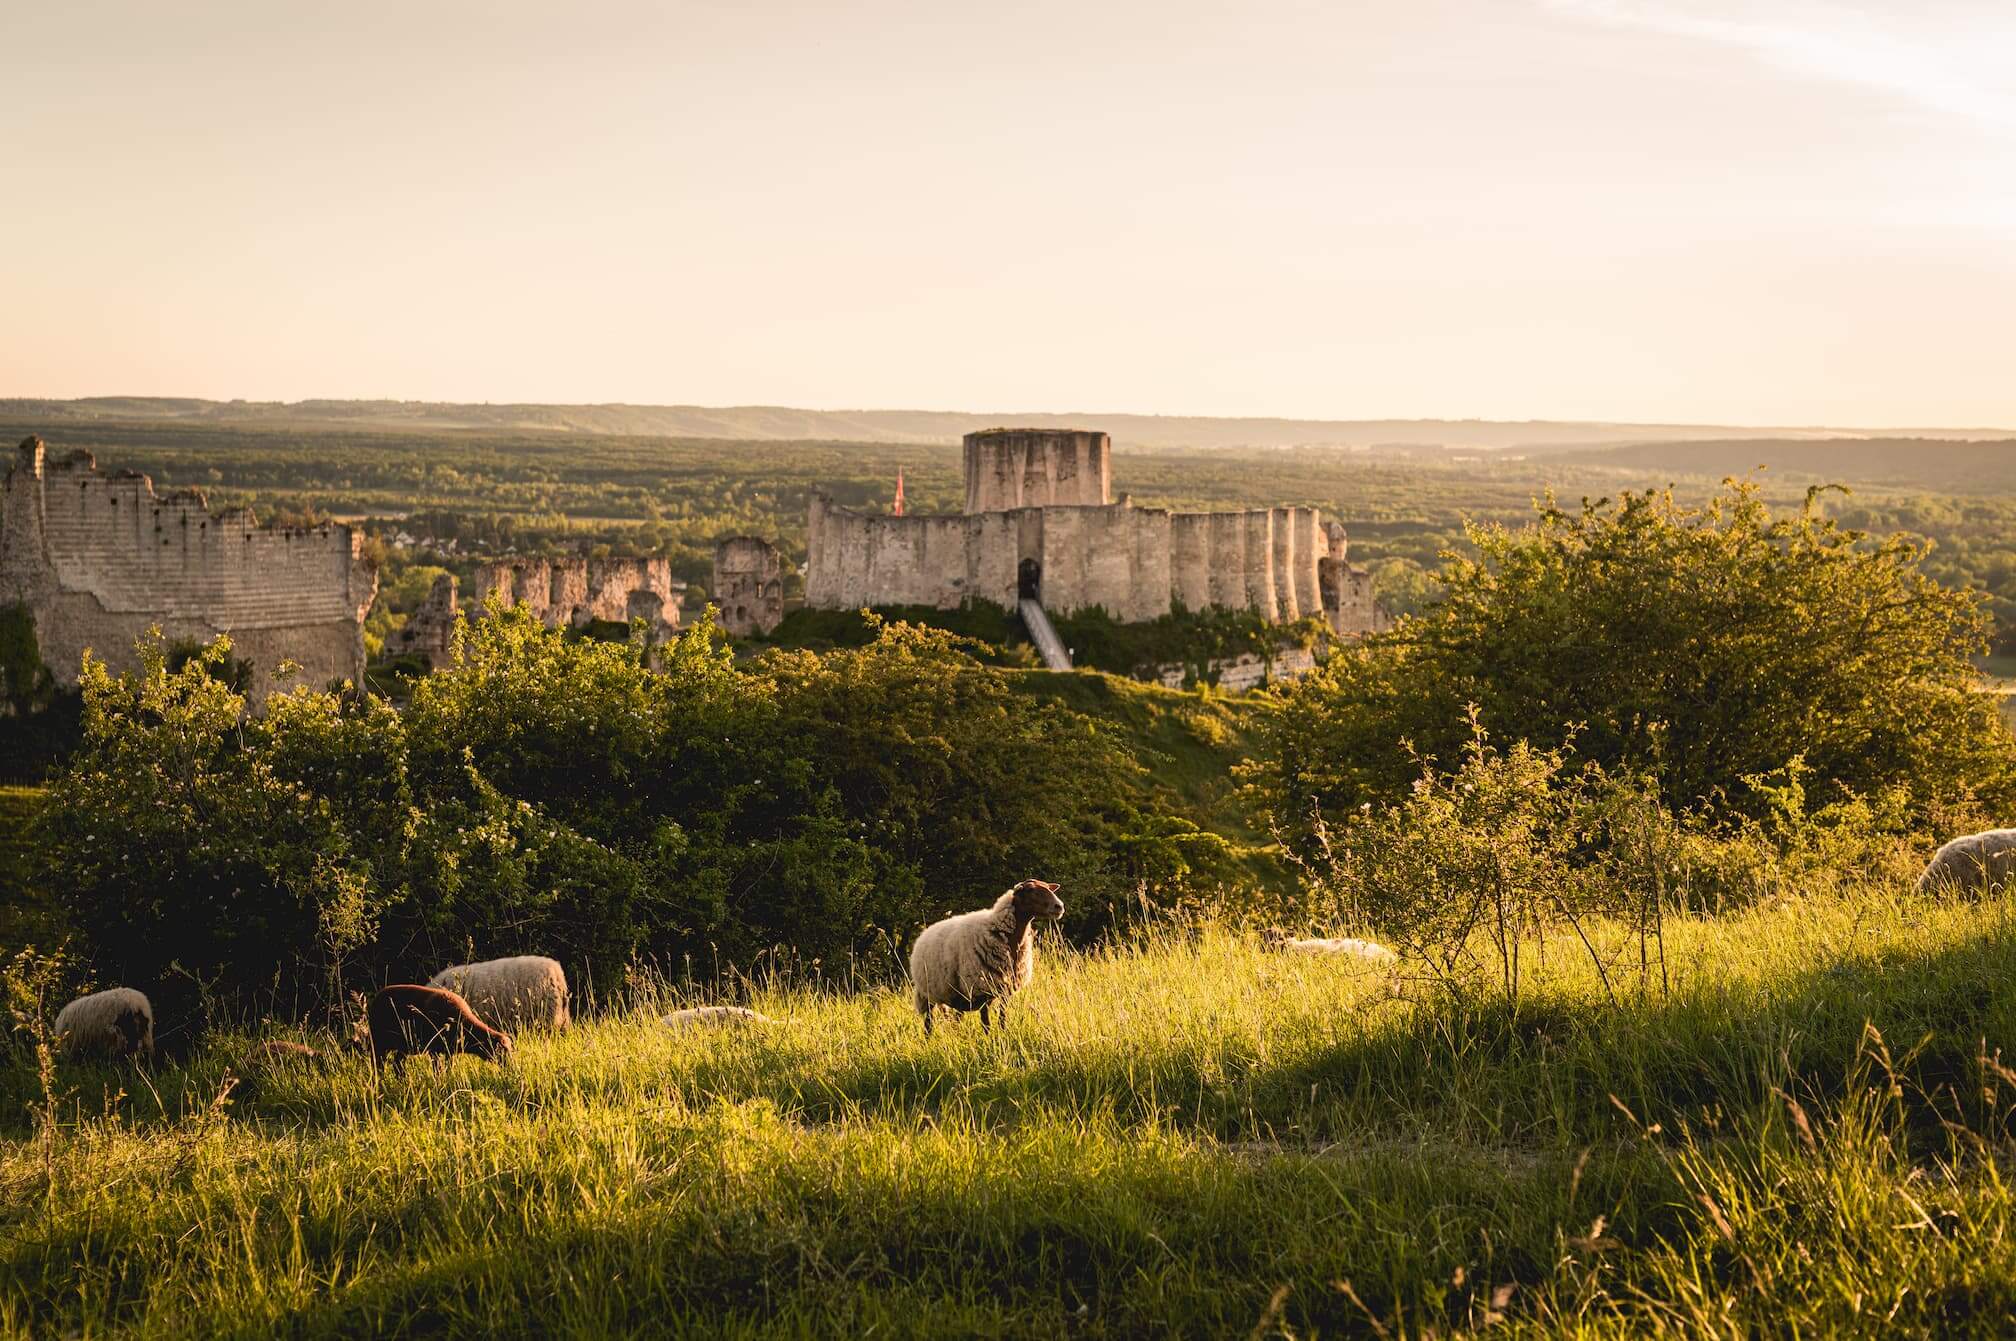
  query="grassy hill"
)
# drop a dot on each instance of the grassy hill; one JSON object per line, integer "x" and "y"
{"x": 1186, "y": 1136}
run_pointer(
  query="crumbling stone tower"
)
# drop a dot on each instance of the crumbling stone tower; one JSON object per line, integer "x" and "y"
{"x": 748, "y": 585}
{"x": 1348, "y": 602}
{"x": 430, "y": 630}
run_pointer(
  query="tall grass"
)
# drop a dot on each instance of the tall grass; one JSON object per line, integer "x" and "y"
{"x": 1184, "y": 1135}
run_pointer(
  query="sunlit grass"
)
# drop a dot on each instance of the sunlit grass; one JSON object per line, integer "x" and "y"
{"x": 1165, "y": 1137}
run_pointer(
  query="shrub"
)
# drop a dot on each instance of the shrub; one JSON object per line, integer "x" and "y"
{"x": 1698, "y": 647}
{"x": 550, "y": 794}
{"x": 188, "y": 862}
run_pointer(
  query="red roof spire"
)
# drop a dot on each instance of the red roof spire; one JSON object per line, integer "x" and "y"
{"x": 898, "y": 511}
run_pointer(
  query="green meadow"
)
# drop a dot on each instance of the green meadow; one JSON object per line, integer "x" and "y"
{"x": 1803, "y": 1131}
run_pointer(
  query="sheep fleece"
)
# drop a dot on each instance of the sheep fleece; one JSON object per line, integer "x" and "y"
{"x": 118, "y": 1021}
{"x": 1980, "y": 861}
{"x": 522, "y": 992}
{"x": 972, "y": 958}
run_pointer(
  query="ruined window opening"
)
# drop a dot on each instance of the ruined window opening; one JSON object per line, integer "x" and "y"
{"x": 1029, "y": 580}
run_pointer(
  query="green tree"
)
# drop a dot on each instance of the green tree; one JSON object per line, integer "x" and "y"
{"x": 190, "y": 864}
{"x": 1698, "y": 646}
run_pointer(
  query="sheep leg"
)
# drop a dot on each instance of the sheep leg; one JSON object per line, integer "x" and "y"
{"x": 983, "y": 1017}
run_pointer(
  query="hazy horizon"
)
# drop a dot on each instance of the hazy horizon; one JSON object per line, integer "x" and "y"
{"x": 1632, "y": 211}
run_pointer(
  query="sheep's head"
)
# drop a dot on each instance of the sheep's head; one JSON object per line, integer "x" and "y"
{"x": 1036, "y": 899}
{"x": 1274, "y": 938}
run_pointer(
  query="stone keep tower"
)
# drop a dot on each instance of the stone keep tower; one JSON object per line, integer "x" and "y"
{"x": 1009, "y": 468}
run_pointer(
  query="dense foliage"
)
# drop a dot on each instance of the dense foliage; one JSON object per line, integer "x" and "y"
{"x": 553, "y": 794}
{"x": 1186, "y": 643}
{"x": 1705, "y": 648}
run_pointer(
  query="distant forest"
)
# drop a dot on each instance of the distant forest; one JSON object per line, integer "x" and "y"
{"x": 475, "y": 491}
{"x": 775, "y": 423}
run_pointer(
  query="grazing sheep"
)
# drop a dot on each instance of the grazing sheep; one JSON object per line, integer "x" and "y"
{"x": 1371, "y": 951}
{"x": 523, "y": 992}
{"x": 979, "y": 959}
{"x": 1984, "y": 862}
{"x": 717, "y": 1017}
{"x": 117, "y": 1022}
{"x": 408, "y": 1019}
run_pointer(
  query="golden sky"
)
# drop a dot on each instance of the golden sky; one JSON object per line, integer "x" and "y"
{"x": 1799, "y": 211}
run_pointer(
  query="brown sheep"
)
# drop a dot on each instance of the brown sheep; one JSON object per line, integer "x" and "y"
{"x": 408, "y": 1019}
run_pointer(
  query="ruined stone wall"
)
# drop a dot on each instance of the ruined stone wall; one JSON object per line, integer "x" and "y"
{"x": 748, "y": 585}
{"x": 1115, "y": 557}
{"x": 1009, "y": 468}
{"x": 1306, "y": 525}
{"x": 1348, "y": 601}
{"x": 1190, "y": 560}
{"x": 571, "y": 592}
{"x": 1135, "y": 563}
{"x": 1259, "y": 567}
{"x": 98, "y": 558}
{"x": 854, "y": 559}
{"x": 1346, "y": 591}
{"x": 430, "y": 630}
{"x": 1245, "y": 671}
{"x": 1240, "y": 561}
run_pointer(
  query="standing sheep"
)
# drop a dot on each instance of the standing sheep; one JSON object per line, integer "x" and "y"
{"x": 1371, "y": 951}
{"x": 978, "y": 959}
{"x": 1983, "y": 862}
{"x": 117, "y": 1022}
{"x": 523, "y": 992}
{"x": 408, "y": 1019}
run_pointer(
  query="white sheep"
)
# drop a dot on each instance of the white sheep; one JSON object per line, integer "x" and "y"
{"x": 1351, "y": 946}
{"x": 979, "y": 959}
{"x": 117, "y": 1022}
{"x": 522, "y": 992}
{"x": 719, "y": 1017}
{"x": 1978, "y": 861}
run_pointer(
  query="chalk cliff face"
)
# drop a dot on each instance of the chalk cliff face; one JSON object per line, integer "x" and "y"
{"x": 97, "y": 559}
{"x": 1039, "y": 522}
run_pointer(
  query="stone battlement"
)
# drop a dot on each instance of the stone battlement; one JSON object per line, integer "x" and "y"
{"x": 98, "y": 558}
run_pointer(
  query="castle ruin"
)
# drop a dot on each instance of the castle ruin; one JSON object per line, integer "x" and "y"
{"x": 1040, "y": 525}
{"x": 430, "y": 630}
{"x": 97, "y": 559}
{"x": 748, "y": 585}
{"x": 577, "y": 592}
